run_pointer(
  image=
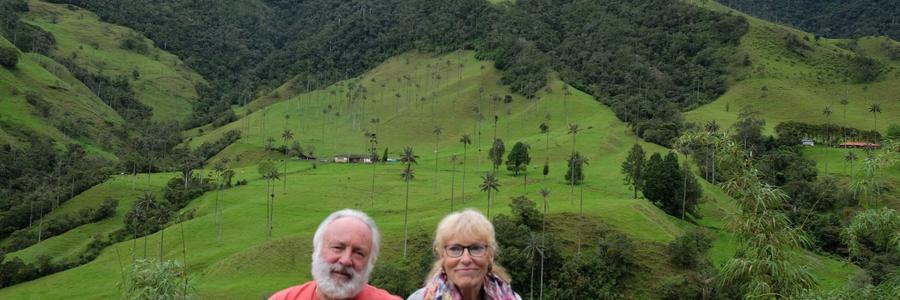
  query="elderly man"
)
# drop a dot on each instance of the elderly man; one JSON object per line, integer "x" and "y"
{"x": 345, "y": 248}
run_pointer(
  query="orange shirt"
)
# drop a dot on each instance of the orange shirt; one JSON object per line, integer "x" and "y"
{"x": 307, "y": 291}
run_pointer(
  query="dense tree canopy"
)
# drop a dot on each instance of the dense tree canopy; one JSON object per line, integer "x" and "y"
{"x": 831, "y": 18}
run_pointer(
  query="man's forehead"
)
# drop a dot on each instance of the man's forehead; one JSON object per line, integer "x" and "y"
{"x": 347, "y": 229}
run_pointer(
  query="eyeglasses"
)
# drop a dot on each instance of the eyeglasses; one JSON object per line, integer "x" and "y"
{"x": 474, "y": 250}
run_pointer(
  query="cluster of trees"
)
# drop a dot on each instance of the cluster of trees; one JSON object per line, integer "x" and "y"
{"x": 15, "y": 270}
{"x": 777, "y": 176}
{"x": 670, "y": 52}
{"x": 24, "y": 36}
{"x": 115, "y": 92}
{"x": 25, "y": 237}
{"x": 9, "y": 57}
{"x": 663, "y": 182}
{"x": 791, "y": 132}
{"x": 531, "y": 253}
{"x": 38, "y": 179}
{"x": 831, "y": 18}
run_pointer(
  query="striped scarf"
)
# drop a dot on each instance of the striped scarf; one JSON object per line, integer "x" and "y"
{"x": 440, "y": 288}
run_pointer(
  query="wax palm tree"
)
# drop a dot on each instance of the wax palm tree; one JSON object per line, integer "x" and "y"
{"x": 285, "y": 136}
{"x": 532, "y": 250}
{"x": 545, "y": 129}
{"x": 844, "y": 101}
{"x": 409, "y": 158}
{"x": 545, "y": 193}
{"x": 437, "y": 131}
{"x": 875, "y": 109}
{"x": 466, "y": 141}
{"x": 827, "y": 113}
{"x": 454, "y": 160}
{"x": 490, "y": 182}
{"x": 851, "y": 156}
{"x": 573, "y": 130}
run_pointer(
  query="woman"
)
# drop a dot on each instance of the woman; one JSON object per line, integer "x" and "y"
{"x": 466, "y": 269}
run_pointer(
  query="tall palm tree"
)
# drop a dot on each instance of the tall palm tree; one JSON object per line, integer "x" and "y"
{"x": 875, "y": 109}
{"x": 545, "y": 129}
{"x": 573, "y": 130}
{"x": 850, "y": 157}
{"x": 545, "y": 193}
{"x": 844, "y": 101}
{"x": 490, "y": 182}
{"x": 827, "y": 112}
{"x": 373, "y": 155}
{"x": 466, "y": 141}
{"x": 409, "y": 158}
{"x": 437, "y": 131}
{"x": 285, "y": 137}
{"x": 454, "y": 160}
{"x": 565, "y": 101}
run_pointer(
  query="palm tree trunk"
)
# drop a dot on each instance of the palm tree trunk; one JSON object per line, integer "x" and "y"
{"x": 463, "y": 192}
{"x": 452, "y": 184}
{"x": 373, "y": 182}
{"x": 406, "y": 219}
{"x": 489, "y": 204}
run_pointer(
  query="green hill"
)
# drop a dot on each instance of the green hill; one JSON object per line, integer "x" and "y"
{"x": 60, "y": 106}
{"x": 795, "y": 81}
{"x": 245, "y": 265}
{"x": 163, "y": 82}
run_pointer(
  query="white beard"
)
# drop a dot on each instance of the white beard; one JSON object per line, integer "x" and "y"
{"x": 336, "y": 289}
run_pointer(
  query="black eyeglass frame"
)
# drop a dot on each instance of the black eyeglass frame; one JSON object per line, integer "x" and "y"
{"x": 467, "y": 248}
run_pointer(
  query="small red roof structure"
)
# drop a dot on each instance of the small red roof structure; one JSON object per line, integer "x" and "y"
{"x": 859, "y": 145}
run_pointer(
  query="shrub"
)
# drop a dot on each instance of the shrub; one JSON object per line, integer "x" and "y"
{"x": 689, "y": 249}
{"x": 150, "y": 279}
{"x": 9, "y": 57}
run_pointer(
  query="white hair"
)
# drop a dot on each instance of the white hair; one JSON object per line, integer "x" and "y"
{"x": 319, "y": 237}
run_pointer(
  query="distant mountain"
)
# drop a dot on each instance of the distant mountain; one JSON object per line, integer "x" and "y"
{"x": 829, "y": 18}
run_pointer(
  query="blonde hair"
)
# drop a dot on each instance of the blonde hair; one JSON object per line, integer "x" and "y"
{"x": 467, "y": 223}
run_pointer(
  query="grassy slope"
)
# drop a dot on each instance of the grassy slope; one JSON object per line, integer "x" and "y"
{"x": 801, "y": 86}
{"x": 313, "y": 190}
{"x": 165, "y": 83}
{"x": 53, "y": 83}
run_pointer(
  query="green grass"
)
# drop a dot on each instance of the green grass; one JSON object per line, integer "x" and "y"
{"x": 245, "y": 265}
{"x": 165, "y": 83}
{"x": 801, "y": 86}
{"x": 66, "y": 96}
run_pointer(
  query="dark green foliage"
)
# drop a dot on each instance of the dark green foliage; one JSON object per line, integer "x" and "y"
{"x": 178, "y": 196}
{"x": 632, "y": 168}
{"x": 677, "y": 287}
{"x": 605, "y": 48}
{"x": 496, "y": 153}
{"x": 115, "y": 92}
{"x": 791, "y": 132}
{"x": 9, "y": 57}
{"x": 41, "y": 174}
{"x": 134, "y": 43}
{"x": 748, "y": 130}
{"x": 829, "y": 18}
{"x": 147, "y": 216}
{"x": 25, "y": 238}
{"x": 209, "y": 149}
{"x": 664, "y": 183}
{"x": 688, "y": 250}
{"x": 404, "y": 275}
{"x": 575, "y": 168}
{"x": 599, "y": 274}
{"x": 785, "y": 164}
{"x": 863, "y": 69}
{"x": 106, "y": 209}
{"x": 521, "y": 247}
{"x": 893, "y": 132}
{"x": 40, "y": 106}
{"x": 518, "y": 158}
